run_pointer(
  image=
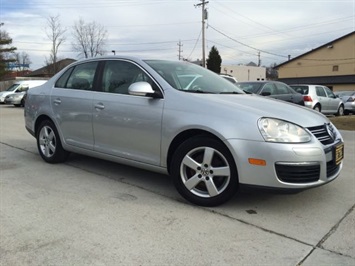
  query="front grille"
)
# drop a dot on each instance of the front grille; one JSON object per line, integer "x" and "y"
{"x": 325, "y": 133}
{"x": 298, "y": 173}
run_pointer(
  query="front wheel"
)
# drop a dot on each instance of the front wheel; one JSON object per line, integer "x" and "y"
{"x": 48, "y": 143}
{"x": 204, "y": 172}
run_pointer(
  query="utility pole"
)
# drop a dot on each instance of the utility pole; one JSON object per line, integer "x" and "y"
{"x": 180, "y": 49}
{"x": 259, "y": 61}
{"x": 204, "y": 17}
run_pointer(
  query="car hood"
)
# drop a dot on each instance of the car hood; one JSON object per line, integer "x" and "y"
{"x": 253, "y": 107}
{"x": 3, "y": 93}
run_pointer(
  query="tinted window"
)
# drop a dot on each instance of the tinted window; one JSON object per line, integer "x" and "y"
{"x": 62, "y": 81}
{"x": 269, "y": 88}
{"x": 300, "y": 89}
{"x": 80, "y": 77}
{"x": 320, "y": 92}
{"x": 119, "y": 75}
{"x": 283, "y": 89}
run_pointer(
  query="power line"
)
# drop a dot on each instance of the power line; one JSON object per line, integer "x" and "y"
{"x": 246, "y": 45}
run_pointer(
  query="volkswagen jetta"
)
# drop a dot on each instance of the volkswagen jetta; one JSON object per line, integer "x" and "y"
{"x": 209, "y": 136}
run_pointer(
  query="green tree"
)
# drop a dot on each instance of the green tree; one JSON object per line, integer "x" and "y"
{"x": 214, "y": 60}
{"x": 6, "y": 51}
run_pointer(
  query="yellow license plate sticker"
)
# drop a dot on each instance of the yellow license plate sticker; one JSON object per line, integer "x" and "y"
{"x": 339, "y": 153}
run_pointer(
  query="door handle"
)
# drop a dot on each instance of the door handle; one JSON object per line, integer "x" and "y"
{"x": 99, "y": 106}
{"x": 57, "y": 101}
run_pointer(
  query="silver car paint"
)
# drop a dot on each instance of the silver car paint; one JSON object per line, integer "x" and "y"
{"x": 128, "y": 133}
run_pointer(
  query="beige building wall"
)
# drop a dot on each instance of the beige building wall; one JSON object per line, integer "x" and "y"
{"x": 244, "y": 73}
{"x": 331, "y": 60}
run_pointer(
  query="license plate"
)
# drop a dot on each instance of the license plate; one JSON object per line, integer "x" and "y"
{"x": 339, "y": 153}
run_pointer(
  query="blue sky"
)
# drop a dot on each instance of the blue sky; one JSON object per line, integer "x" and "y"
{"x": 153, "y": 28}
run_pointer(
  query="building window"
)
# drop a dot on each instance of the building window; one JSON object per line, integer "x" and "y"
{"x": 335, "y": 68}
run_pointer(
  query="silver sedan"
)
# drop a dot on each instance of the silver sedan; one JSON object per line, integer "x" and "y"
{"x": 210, "y": 136}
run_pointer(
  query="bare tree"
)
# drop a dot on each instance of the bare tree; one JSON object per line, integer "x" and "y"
{"x": 23, "y": 60}
{"x": 56, "y": 34}
{"x": 89, "y": 38}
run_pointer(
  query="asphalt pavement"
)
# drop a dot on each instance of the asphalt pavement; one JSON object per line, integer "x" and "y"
{"x": 92, "y": 212}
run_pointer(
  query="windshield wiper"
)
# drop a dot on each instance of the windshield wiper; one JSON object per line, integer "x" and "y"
{"x": 230, "y": 92}
{"x": 197, "y": 91}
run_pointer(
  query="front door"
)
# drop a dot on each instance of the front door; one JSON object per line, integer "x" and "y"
{"x": 124, "y": 125}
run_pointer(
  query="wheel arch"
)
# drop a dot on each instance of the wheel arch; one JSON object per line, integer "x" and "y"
{"x": 319, "y": 105}
{"x": 183, "y": 136}
{"x": 39, "y": 120}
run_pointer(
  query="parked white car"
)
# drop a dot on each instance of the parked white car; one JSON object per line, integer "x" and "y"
{"x": 19, "y": 87}
{"x": 320, "y": 98}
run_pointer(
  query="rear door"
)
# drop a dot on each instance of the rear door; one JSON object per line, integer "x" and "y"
{"x": 71, "y": 101}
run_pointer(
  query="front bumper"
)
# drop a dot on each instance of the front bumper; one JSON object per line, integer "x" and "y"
{"x": 288, "y": 166}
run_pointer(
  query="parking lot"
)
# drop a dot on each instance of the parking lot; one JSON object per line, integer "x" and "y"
{"x": 92, "y": 212}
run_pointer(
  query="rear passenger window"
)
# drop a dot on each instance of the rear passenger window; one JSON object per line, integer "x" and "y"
{"x": 282, "y": 89}
{"x": 80, "y": 77}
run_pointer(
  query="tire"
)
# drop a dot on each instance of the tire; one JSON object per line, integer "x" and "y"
{"x": 49, "y": 144}
{"x": 204, "y": 172}
{"x": 340, "y": 111}
{"x": 317, "y": 108}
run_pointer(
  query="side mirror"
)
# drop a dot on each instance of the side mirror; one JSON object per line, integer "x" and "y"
{"x": 142, "y": 88}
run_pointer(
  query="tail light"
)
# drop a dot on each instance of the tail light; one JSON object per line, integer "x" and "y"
{"x": 307, "y": 98}
{"x": 351, "y": 99}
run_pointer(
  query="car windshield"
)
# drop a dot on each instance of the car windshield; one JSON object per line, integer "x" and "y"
{"x": 252, "y": 87}
{"x": 189, "y": 77}
{"x": 12, "y": 87}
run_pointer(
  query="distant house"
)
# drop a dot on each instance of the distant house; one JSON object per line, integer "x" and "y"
{"x": 51, "y": 70}
{"x": 332, "y": 65}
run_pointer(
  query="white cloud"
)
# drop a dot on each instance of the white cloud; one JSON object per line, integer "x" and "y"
{"x": 152, "y": 28}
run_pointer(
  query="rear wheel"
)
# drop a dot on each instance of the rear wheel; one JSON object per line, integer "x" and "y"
{"x": 204, "y": 171}
{"x": 340, "y": 111}
{"x": 317, "y": 108}
{"x": 48, "y": 143}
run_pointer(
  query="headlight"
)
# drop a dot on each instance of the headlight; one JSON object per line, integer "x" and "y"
{"x": 275, "y": 130}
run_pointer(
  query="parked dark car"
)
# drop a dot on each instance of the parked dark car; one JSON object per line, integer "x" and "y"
{"x": 274, "y": 89}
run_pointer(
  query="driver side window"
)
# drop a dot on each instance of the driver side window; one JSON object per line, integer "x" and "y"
{"x": 119, "y": 75}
